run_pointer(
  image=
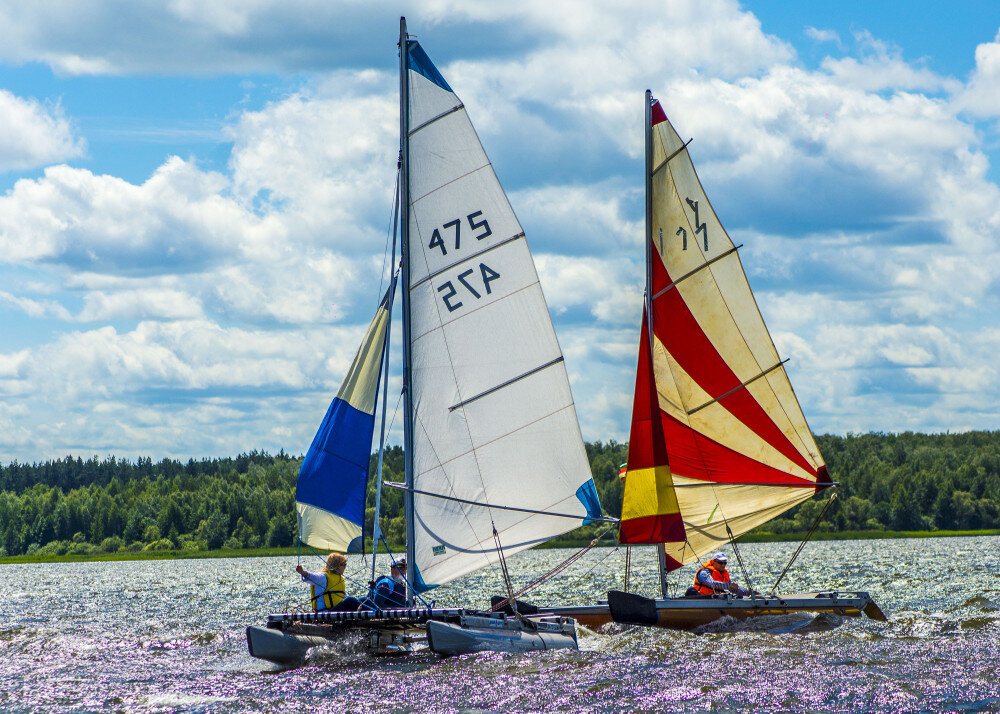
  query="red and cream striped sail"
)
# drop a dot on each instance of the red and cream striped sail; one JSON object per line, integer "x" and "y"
{"x": 726, "y": 442}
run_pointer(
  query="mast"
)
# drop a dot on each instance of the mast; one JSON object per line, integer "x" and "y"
{"x": 404, "y": 202}
{"x": 648, "y": 134}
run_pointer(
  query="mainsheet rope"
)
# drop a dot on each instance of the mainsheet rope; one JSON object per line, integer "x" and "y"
{"x": 512, "y": 596}
{"x": 798, "y": 550}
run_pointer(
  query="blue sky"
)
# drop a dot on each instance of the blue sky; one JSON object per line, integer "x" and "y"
{"x": 194, "y": 201}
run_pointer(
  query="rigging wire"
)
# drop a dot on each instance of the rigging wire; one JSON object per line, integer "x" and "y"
{"x": 739, "y": 559}
{"x": 798, "y": 550}
{"x": 554, "y": 571}
{"x": 390, "y": 230}
{"x": 392, "y": 560}
{"x": 503, "y": 569}
{"x": 599, "y": 562}
{"x": 628, "y": 566}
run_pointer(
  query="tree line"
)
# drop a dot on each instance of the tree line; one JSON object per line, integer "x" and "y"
{"x": 73, "y": 505}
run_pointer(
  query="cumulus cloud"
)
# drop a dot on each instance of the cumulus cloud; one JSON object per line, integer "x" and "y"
{"x": 981, "y": 96}
{"x": 212, "y": 312}
{"x": 32, "y": 134}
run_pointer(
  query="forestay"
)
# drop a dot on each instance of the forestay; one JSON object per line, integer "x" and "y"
{"x": 333, "y": 479}
{"x": 492, "y": 413}
{"x": 738, "y": 449}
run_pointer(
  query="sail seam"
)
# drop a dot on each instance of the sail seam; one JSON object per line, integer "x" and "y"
{"x": 701, "y": 267}
{"x": 442, "y": 323}
{"x": 781, "y": 404}
{"x": 415, "y": 201}
{"x": 444, "y": 497}
{"x": 442, "y": 115}
{"x": 668, "y": 159}
{"x": 440, "y": 463}
{"x": 509, "y": 382}
{"x": 431, "y": 276}
{"x": 451, "y": 484}
{"x": 736, "y": 389}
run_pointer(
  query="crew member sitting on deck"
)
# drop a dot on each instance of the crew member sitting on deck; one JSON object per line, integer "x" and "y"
{"x": 327, "y": 587}
{"x": 713, "y": 578}
{"x": 389, "y": 591}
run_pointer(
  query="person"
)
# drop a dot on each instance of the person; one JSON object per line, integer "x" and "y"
{"x": 389, "y": 591}
{"x": 712, "y": 578}
{"x": 327, "y": 587}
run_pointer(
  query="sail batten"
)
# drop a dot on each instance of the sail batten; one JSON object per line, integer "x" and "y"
{"x": 430, "y": 121}
{"x": 738, "y": 449}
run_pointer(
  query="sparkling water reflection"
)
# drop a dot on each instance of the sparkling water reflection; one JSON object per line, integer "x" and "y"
{"x": 169, "y": 636}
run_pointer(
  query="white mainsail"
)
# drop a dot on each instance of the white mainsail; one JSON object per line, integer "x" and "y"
{"x": 492, "y": 416}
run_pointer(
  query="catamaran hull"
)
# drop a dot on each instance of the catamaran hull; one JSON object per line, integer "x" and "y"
{"x": 447, "y": 638}
{"x": 280, "y": 647}
{"x": 448, "y": 631}
{"x": 691, "y": 613}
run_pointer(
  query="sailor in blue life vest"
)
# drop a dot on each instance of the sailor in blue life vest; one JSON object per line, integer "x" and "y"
{"x": 713, "y": 578}
{"x": 327, "y": 587}
{"x": 389, "y": 591}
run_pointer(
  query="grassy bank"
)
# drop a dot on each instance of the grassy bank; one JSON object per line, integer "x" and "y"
{"x": 170, "y": 555}
{"x": 859, "y": 535}
{"x": 560, "y": 543}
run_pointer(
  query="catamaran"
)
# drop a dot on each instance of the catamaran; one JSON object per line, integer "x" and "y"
{"x": 494, "y": 457}
{"x": 719, "y": 444}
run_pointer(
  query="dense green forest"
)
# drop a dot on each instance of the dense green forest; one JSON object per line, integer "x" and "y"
{"x": 887, "y": 482}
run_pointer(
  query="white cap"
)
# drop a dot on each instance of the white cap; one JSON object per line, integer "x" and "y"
{"x": 720, "y": 557}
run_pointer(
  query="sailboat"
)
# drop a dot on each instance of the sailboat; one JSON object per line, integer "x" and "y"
{"x": 494, "y": 456}
{"x": 719, "y": 444}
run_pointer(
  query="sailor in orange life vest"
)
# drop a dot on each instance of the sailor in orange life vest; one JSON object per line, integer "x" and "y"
{"x": 327, "y": 587}
{"x": 713, "y": 578}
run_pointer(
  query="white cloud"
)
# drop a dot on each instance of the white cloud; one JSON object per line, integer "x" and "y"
{"x": 981, "y": 96}
{"x": 35, "y": 308}
{"x": 32, "y": 134}
{"x": 864, "y": 198}
{"x": 881, "y": 66}
{"x": 823, "y": 35}
{"x": 139, "y": 304}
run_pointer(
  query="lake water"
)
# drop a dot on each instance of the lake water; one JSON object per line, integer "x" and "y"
{"x": 169, "y": 636}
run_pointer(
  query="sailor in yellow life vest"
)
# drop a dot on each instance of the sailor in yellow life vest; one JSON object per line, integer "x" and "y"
{"x": 327, "y": 587}
{"x": 713, "y": 578}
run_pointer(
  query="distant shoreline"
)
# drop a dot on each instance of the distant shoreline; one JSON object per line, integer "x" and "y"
{"x": 559, "y": 543}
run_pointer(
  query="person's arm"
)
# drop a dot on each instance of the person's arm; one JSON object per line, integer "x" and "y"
{"x": 317, "y": 579}
{"x": 705, "y": 578}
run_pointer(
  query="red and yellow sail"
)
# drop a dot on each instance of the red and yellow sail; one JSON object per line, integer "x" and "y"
{"x": 649, "y": 506}
{"x": 736, "y": 449}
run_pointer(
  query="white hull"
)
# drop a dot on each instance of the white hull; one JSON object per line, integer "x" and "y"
{"x": 484, "y": 634}
{"x": 280, "y": 647}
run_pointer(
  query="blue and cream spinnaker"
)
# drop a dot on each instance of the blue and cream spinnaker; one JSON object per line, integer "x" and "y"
{"x": 330, "y": 495}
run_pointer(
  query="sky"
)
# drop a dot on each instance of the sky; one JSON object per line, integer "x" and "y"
{"x": 195, "y": 201}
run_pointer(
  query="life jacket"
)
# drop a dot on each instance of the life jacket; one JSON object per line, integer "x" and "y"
{"x": 387, "y": 594}
{"x": 722, "y": 577}
{"x": 332, "y": 594}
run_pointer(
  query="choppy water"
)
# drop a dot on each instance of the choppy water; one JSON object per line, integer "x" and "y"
{"x": 169, "y": 636}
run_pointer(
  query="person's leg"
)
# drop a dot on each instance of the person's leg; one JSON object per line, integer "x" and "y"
{"x": 348, "y": 604}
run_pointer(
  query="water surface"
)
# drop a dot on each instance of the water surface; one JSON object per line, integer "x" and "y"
{"x": 163, "y": 636}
